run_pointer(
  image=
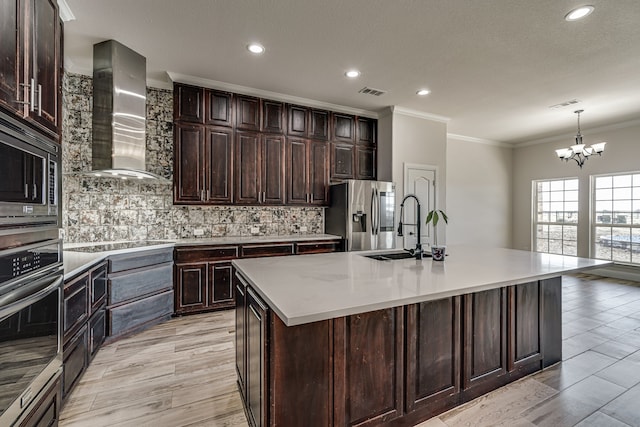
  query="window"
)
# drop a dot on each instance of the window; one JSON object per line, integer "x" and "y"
{"x": 616, "y": 217}
{"x": 556, "y": 216}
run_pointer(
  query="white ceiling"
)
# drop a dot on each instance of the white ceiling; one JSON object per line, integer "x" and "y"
{"x": 494, "y": 66}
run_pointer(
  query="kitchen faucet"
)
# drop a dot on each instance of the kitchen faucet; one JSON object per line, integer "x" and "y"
{"x": 418, "y": 250}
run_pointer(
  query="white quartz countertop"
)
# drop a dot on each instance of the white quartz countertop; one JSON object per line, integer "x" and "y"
{"x": 77, "y": 262}
{"x": 308, "y": 288}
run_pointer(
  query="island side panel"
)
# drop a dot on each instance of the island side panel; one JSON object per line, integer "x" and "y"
{"x": 525, "y": 305}
{"x": 433, "y": 356}
{"x": 301, "y": 374}
{"x": 551, "y": 292}
{"x": 368, "y": 370}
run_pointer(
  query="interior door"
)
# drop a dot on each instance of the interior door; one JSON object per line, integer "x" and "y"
{"x": 420, "y": 180}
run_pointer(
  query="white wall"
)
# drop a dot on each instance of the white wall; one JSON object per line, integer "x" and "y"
{"x": 539, "y": 161}
{"x": 479, "y": 191}
{"x": 419, "y": 140}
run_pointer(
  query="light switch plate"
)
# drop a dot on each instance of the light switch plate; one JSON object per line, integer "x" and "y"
{"x": 303, "y": 229}
{"x": 198, "y": 232}
{"x": 255, "y": 230}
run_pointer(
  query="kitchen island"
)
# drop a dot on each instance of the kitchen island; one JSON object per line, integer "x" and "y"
{"x": 341, "y": 339}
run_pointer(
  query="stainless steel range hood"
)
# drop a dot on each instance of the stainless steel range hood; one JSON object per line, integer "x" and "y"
{"x": 119, "y": 112}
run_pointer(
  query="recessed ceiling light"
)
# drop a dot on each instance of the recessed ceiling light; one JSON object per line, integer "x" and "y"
{"x": 423, "y": 92}
{"x": 256, "y": 48}
{"x": 579, "y": 13}
{"x": 352, "y": 74}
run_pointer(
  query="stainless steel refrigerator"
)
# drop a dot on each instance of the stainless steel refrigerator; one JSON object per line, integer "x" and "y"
{"x": 363, "y": 213}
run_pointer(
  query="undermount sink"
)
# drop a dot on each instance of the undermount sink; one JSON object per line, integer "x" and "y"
{"x": 390, "y": 256}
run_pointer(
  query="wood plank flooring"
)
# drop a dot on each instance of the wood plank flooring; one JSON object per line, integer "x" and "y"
{"x": 181, "y": 373}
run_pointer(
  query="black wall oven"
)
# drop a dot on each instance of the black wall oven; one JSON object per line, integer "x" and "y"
{"x": 29, "y": 179}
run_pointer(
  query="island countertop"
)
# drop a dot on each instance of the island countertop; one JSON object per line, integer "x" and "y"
{"x": 310, "y": 288}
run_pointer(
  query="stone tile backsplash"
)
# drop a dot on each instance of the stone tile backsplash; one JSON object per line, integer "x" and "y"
{"x": 103, "y": 209}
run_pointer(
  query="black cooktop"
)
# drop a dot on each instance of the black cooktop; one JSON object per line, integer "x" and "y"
{"x": 116, "y": 246}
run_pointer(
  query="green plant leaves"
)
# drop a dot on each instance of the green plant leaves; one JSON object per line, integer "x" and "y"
{"x": 435, "y": 215}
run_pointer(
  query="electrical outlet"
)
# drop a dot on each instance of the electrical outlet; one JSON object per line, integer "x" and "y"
{"x": 255, "y": 230}
{"x": 303, "y": 229}
{"x": 198, "y": 232}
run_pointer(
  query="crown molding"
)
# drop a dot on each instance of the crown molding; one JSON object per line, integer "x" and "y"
{"x": 479, "y": 140}
{"x": 419, "y": 114}
{"x": 244, "y": 90}
{"x": 65, "y": 11}
{"x": 569, "y": 136}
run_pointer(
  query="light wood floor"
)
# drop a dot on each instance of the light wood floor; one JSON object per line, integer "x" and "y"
{"x": 181, "y": 373}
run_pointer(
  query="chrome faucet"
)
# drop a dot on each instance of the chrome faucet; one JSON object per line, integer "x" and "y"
{"x": 417, "y": 252}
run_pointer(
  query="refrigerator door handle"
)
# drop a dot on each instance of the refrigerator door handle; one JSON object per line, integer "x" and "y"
{"x": 373, "y": 212}
{"x": 377, "y": 211}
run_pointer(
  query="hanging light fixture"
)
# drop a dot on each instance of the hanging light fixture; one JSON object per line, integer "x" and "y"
{"x": 579, "y": 152}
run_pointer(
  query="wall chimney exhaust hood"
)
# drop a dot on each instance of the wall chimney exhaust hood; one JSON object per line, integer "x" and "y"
{"x": 119, "y": 112}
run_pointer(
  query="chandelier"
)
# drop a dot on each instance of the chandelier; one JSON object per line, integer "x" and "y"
{"x": 579, "y": 152}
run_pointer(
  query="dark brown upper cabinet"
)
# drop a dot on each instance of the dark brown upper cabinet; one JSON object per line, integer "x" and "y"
{"x": 319, "y": 128}
{"x": 366, "y": 131}
{"x": 30, "y": 78}
{"x": 259, "y": 171}
{"x": 308, "y": 172}
{"x": 218, "y": 156}
{"x": 343, "y": 161}
{"x": 273, "y": 117}
{"x": 343, "y": 127}
{"x": 298, "y": 122}
{"x": 365, "y": 163}
{"x": 218, "y": 110}
{"x": 247, "y": 113}
{"x": 188, "y": 103}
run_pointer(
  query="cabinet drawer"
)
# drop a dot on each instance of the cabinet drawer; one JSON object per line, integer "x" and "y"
{"x": 47, "y": 410}
{"x": 74, "y": 360}
{"x": 98, "y": 287}
{"x": 130, "y": 316}
{"x": 97, "y": 331}
{"x": 75, "y": 305}
{"x": 275, "y": 249}
{"x": 139, "y": 259}
{"x": 128, "y": 286}
{"x": 217, "y": 253}
{"x": 318, "y": 247}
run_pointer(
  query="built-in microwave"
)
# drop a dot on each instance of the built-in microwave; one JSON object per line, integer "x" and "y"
{"x": 29, "y": 178}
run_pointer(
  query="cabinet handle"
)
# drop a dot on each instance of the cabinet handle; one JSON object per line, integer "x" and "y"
{"x": 24, "y": 102}
{"x": 264, "y": 197}
{"x": 202, "y": 195}
{"x": 311, "y": 197}
{"x": 33, "y": 95}
{"x": 26, "y": 191}
{"x": 208, "y": 193}
{"x": 35, "y": 191}
{"x": 255, "y": 313}
{"x": 40, "y": 100}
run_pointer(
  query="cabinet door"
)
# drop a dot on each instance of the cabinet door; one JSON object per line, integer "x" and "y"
{"x": 484, "y": 341}
{"x": 319, "y": 128}
{"x": 191, "y": 287}
{"x": 97, "y": 331}
{"x": 366, "y": 163}
{"x": 272, "y": 179}
{"x": 319, "y": 173}
{"x": 247, "y": 167}
{"x": 11, "y": 53}
{"x": 297, "y": 168}
{"x": 298, "y": 120}
{"x": 74, "y": 360}
{"x": 75, "y": 305}
{"x": 98, "y": 286}
{"x": 256, "y": 380}
{"x": 219, "y": 165}
{"x": 368, "y": 375}
{"x": 247, "y": 113}
{"x": 241, "y": 308}
{"x": 273, "y": 117}
{"x": 221, "y": 285}
{"x": 366, "y": 131}
{"x": 342, "y": 161}
{"x": 45, "y": 57}
{"x": 188, "y": 102}
{"x": 524, "y": 328}
{"x": 343, "y": 128}
{"x": 217, "y": 108}
{"x": 433, "y": 352}
{"x": 188, "y": 168}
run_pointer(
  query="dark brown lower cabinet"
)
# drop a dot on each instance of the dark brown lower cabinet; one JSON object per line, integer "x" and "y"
{"x": 485, "y": 341}
{"x": 74, "y": 360}
{"x": 397, "y": 366}
{"x": 433, "y": 354}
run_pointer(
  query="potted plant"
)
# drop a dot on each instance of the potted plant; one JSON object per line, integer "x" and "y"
{"x": 434, "y": 216}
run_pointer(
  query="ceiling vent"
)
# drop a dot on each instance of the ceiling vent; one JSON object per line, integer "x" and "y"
{"x": 565, "y": 104}
{"x": 372, "y": 91}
